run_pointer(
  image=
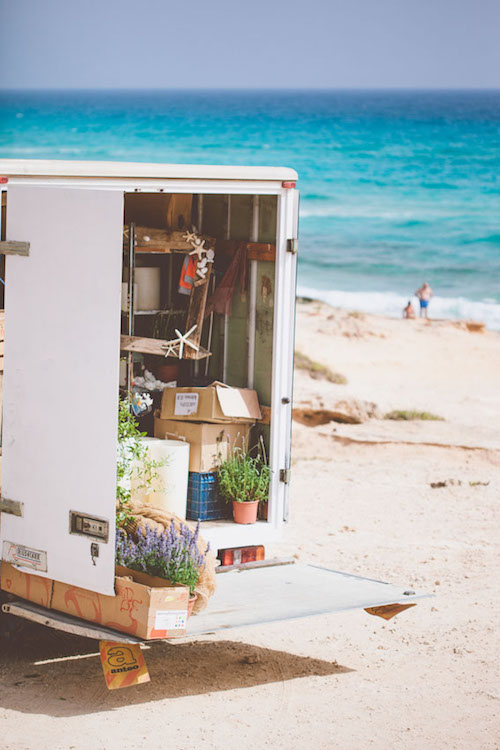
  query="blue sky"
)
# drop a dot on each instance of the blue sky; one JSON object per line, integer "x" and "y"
{"x": 257, "y": 44}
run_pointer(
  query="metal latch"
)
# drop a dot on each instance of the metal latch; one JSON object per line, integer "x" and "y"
{"x": 285, "y": 476}
{"x": 92, "y": 527}
{"x": 292, "y": 246}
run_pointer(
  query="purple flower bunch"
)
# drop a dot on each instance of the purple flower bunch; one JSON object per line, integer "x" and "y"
{"x": 172, "y": 554}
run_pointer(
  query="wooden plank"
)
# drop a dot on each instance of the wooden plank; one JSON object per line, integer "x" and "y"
{"x": 196, "y": 313}
{"x": 12, "y": 247}
{"x": 144, "y": 345}
{"x": 261, "y": 251}
{"x": 151, "y": 240}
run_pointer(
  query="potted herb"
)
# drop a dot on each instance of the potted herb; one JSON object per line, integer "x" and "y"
{"x": 244, "y": 480}
{"x": 133, "y": 466}
{"x": 172, "y": 555}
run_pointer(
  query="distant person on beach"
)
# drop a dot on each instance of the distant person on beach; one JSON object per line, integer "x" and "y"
{"x": 424, "y": 295}
{"x": 409, "y": 311}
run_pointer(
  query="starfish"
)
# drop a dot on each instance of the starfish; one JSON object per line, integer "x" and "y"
{"x": 190, "y": 236}
{"x": 170, "y": 348}
{"x": 183, "y": 340}
{"x": 198, "y": 249}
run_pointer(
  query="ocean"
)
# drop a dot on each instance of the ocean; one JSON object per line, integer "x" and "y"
{"x": 397, "y": 187}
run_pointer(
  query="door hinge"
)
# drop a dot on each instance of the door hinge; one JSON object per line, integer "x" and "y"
{"x": 292, "y": 246}
{"x": 285, "y": 476}
{"x": 14, "y": 507}
{"x": 12, "y": 247}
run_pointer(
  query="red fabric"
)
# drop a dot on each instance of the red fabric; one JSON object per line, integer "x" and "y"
{"x": 220, "y": 301}
{"x": 188, "y": 273}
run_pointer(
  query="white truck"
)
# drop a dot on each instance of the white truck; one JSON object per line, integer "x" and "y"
{"x": 69, "y": 229}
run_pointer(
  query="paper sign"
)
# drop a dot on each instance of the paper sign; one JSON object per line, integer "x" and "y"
{"x": 123, "y": 664}
{"x": 387, "y": 611}
{"x": 170, "y": 619}
{"x": 186, "y": 403}
{"x": 25, "y": 557}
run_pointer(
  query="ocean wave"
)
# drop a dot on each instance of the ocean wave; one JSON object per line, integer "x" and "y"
{"x": 392, "y": 304}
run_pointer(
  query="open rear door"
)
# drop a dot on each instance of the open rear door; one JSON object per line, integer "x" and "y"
{"x": 61, "y": 384}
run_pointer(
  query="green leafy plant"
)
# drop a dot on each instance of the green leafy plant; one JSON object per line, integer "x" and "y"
{"x": 408, "y": 415}
{"x": 316, "y": 370}
{"x": 244, "y": 478}
{"x": 132, "y": 463}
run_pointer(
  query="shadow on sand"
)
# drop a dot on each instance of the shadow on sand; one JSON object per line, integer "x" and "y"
{"x": 44, "y": 671}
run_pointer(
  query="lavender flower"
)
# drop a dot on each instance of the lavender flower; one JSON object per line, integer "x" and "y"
{"x": 173, "y": 554}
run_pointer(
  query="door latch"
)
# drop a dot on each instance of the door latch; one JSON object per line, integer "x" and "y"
{"x": 292, "y": 246}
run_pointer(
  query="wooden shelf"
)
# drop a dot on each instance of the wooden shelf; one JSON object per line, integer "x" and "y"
{"x": 144, "y": 345}
{"x": 161, "y": 242}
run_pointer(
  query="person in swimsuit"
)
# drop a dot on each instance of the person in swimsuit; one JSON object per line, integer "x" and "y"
{"x": 424, "y": 295}
{"x": 409, "y": 312}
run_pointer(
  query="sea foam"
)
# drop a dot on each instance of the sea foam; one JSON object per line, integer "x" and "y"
{"x": 392, "y": 304}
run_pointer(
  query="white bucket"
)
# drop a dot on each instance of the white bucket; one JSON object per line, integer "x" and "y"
{"x": 148, "y": 291}
{"x": 168, "y": 491}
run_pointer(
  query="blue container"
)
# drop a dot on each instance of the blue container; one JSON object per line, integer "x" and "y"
{"x": 204, "y": 502}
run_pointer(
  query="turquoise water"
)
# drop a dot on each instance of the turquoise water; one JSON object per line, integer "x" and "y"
{"x": 397, "y": 187}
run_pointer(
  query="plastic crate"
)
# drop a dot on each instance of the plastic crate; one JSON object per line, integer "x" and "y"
{"x": 204, "y": 502}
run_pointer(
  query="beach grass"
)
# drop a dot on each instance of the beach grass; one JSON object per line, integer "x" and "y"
{"x": 407, "y": 415}
{"x": 317, "y": 371}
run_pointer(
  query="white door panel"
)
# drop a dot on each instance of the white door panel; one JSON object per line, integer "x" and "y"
{"x": 61, "y": 375}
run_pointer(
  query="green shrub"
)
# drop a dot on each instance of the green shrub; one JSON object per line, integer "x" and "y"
{"x": 406, "y": 415}
{"x": 244, "y": 478}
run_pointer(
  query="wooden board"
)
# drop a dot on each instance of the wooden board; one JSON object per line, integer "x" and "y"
{"x": 144, "y": 345}
{"x": 151, "y": 240}
{"x": 196, "y": 312}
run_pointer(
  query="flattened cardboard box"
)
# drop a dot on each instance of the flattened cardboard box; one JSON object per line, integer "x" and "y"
{"x": 142, "y": 606}
{"x": 208, "y": 443}
{"x": 26, "y": 585}
{"x": 215, "y": 403}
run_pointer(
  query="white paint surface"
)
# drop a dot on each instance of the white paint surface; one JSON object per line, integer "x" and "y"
{"x": 61, "y": 374}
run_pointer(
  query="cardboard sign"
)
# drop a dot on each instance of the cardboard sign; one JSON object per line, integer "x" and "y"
{"x": 123, "y": 664}
{"x": 186, "y": 403}
{"x": 387, "y": 611}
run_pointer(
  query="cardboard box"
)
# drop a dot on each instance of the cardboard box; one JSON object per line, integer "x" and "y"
{"x": 142, "y": 606}
{"x": 207, "y": 442}
{"x": 26, "y": 585}
{"x": 216, "y": 403}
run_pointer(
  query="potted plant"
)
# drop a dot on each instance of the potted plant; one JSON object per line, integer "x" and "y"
{"x": 133, "y": 466}
{"x": 172, "y": 555}
{"x": 243, "y": 480}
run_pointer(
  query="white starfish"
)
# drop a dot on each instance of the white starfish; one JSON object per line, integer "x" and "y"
{"x": 170, "y": 347}
{"x": 183, "y": 340}
{"x": 198, "y": 249}
{"x": 190, "y": 236}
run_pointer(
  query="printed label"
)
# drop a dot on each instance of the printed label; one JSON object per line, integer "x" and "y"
{"x": 25, "y": 557}
{"x": 186, "y": 403}
{"x": 166, "y": 619}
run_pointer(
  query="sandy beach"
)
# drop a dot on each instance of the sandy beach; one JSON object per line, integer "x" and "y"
{"x": 362, "y": 502}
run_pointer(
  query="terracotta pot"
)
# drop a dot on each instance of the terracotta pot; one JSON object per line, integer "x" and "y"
{"x": 167, "y": 373}
{"x": 192, "y": 599}
{"x": 245, "y": 512}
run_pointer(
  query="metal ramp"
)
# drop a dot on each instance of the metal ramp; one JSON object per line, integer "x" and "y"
{"x": 252, "y": 597}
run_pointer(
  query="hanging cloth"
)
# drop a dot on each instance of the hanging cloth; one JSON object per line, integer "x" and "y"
{"x": 188, "y": 272}
{"x": 220, "y": 301}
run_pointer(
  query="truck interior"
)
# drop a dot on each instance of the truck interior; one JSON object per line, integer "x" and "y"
{"x": 223, "y": 293}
